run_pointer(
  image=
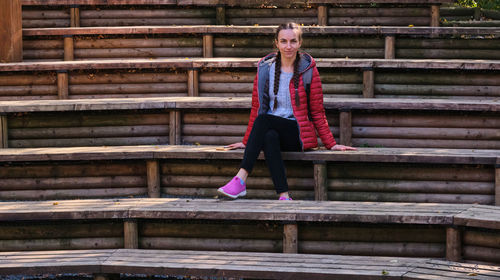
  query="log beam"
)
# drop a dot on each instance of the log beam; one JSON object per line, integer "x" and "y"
{"x": 3, "y": 132}
{"x": 322, "y": 15}
{"x": 220, "y": 14}
{"x": 346, "y": 127}
{"x": 175, "y": 128}
{"x": 69, "y": 48}
{"x": 290, "y": 237}
{"x": 11, "y": 36}
{"x": 390, "y": 47}
{"x": 153, "y": 177}
{"x": 497, "y": 183}
{"x": 453, "y": 244}
{"x": 193, "y": 84}
{"x": 368, "y": 83}
{"x": 434, "y": 15}
{"x": 208, "y": 45}
{"x": 130, "y": 234}
{"x": 320, "y": 181}
{"x": 74, "y": 12}
{"x": 62, "y": 85}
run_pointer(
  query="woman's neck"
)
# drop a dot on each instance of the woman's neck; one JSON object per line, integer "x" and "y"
{"x": 287, "y": 64}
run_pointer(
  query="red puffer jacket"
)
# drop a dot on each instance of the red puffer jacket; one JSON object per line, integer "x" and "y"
{"x": 307, "y": 127}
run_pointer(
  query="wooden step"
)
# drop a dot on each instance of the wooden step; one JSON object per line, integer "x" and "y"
{"x": 233, "y": 77}
{"x": 368, "y": 174}
{"x": 410, "y": 123}
{"x": 256, "y": 41}
{"x": 247, "y": 265}
{"x": 348, "y": 228}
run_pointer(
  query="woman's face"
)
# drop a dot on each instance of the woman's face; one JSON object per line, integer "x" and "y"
{"x": 288, "y": 43}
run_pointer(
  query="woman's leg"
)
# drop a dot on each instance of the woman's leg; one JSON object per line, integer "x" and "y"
{"x": 255, "y": 142}
{"x": 283, "y": 136}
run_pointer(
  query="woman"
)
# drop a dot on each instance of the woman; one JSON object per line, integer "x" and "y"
{"x": 281, "y": 118}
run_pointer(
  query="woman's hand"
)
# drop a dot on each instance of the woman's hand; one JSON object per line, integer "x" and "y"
{"x": 233, "y": 146}
{"x": 342, "y": 148}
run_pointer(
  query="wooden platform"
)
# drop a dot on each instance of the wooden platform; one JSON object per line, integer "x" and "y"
{"x": 247, "y": 265}
{"x": 348, "y": 228}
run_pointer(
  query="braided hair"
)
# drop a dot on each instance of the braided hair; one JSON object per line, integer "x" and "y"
{"x": 277, "y": 71}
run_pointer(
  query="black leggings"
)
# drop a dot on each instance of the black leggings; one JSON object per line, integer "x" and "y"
{"x": 272, "y": 135}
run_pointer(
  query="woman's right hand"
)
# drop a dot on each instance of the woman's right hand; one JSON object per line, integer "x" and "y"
{"x": 233, "y": 146}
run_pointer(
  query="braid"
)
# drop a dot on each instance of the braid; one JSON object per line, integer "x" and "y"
{"x": 296, "y": 79}
{"x": 277, "y": 74}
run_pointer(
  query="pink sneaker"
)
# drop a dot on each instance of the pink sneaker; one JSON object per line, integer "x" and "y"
{"x": 285, "y": 198}
{"x": 234, "y": 188}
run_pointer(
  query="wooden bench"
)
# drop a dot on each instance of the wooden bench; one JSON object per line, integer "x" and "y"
{"x": 251, "y": 12}
{"x": 369, "y": 174}
{"x": 256, "y": 41}
{"x": 403, "y": 123}
{"x": 105, "y": 263}
{"x": 233, "y": 77}
{"x": 454, "y": 231}
{"x": 248, "y": 265}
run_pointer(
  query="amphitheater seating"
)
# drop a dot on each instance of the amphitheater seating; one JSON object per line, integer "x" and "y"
{"x": 149, "y": 92}
{"x": 384, "y": 229}
{"x": 107, "y": 263}
{"x": 369, "y": 174}
{"x": 256, "y": 41}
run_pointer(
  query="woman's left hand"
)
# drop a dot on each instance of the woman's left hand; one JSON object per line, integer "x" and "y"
{"x": 342, "y": 148}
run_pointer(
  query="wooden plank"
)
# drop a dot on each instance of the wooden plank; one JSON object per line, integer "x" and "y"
{"x": 131, "y": 234}
{"x": 153, "y": 175}
{"x": 395, "y": 155}
{"x": 69, "y": 48}
{"x": 193, "y": 83}
{"x": 453, "y": 244}
{"x": 11, "y": 41}
{"x": 4, "y": 132}
{"x": 479, "y": 216}
{"x": 290, "y": 238}
{"x": 390, "y": 47}
{"x": 208, "y": 46}
{"x": 74, "y": 16}
{"x": 62, "y": 85}
{"x": 320, "y": 181}
{"x": 264, "y": 30}
{"x": 346, "y": 127}
{"x": 220, "y": 15}
{"x": 435, "y": 16}
{"x": 497, "y": 183}
{"x": 322, "y": 15}
{"x": 368, "y": 83}
{"x": 490, "y": 65}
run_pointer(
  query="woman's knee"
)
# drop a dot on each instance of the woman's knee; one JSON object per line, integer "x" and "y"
{"x": 271, "y": 136}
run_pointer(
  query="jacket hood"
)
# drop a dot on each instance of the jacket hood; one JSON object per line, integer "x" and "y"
{"x": 306, "y": 61}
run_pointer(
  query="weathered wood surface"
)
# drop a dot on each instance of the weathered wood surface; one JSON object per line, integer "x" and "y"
{"x": 395, "y": 155}
{"x": 262, "y": 30}
{"x": 53, "y": 262}
{"x": 238, "y": 264}
{"x": 480, "y": 216}
{"x": 11, "y": 41}
{"x": 215, "y": 2}
{"x": 491, "y": 65}
{"x": 241, "y": 103}
{"x": 174, "y": 208}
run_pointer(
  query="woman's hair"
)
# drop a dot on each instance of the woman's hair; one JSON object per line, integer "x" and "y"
{"x": 277, "y": 71}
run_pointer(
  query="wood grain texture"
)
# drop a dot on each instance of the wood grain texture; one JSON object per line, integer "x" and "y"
{"x": 11, "y": 40}
{"x": 221, "y": 62}
{"x": 241, "y": 103}
{"x": 395, "y": 155}
{"x": 239, "y": 264}
{"x": 262, "y": 30}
